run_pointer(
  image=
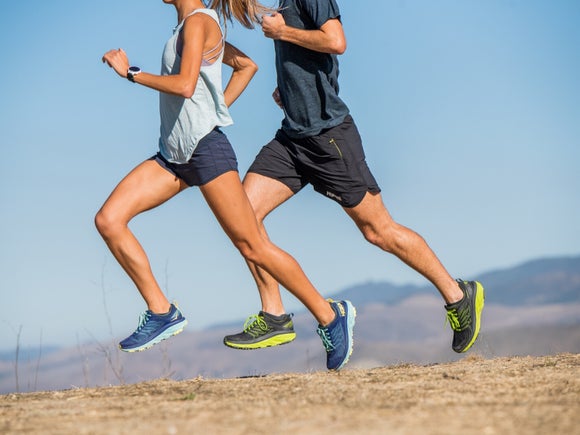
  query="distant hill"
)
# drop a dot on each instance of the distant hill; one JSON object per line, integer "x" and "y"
{"x": 543, "y": 281}
{"x": 531, "y": 309}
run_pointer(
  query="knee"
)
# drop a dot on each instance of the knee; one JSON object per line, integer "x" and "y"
{"x": 386, "y": 236}
{"x": 260, "y": 216}
{"x": 106, "y": 224}
{"x": 246, "y": 248}
{"x": 373, "y": 235}
{"x": 251, "y": 250}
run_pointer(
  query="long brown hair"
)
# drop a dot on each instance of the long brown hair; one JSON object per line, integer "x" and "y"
{"x": 247, "y": 12}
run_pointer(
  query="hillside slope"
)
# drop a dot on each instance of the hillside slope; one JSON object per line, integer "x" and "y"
{"x": 519, "y": 395}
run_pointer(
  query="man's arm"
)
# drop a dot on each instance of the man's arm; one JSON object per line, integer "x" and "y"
{"x": 328, "y": 39}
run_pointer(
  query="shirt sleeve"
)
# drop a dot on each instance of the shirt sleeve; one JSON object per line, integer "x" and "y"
{"x": 320, "y": 11}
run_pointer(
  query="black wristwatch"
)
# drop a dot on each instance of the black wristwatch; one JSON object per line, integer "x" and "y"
{"x": 132, "y": 72}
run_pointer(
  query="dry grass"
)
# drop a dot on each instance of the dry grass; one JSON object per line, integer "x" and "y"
{"x": 520, "y": 395}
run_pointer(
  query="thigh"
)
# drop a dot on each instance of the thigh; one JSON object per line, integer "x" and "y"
{"x": 231, "y": 207}
{"x": 145, "y": 187}
{"x": 265, "y": 193}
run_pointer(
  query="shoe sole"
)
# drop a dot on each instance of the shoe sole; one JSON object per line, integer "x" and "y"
{"x": 478, "y": 308}
{"x": 168, "y": 333}
{"x": 350, "y": 321}
{"x": 276, "y": 340}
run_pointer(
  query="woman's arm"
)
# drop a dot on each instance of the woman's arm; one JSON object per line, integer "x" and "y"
{"x": 195, "y": 31}
{"x": 244, "y": 69}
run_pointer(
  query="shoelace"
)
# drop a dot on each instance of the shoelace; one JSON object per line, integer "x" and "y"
{"x": 255, "y": 325}
{"x": 143, "y": 319}
{"x": 326, "y": 339}
{"x": 459, "y": 320}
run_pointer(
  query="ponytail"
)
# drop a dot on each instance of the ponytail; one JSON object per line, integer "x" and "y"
{"x": 246, "y": 12}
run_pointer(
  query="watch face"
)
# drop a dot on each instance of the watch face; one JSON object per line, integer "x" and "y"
{"x": 134, "y": 69}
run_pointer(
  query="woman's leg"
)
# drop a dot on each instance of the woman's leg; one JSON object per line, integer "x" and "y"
{"x": 229, "y": 203}
{"x": 144, "y": 188}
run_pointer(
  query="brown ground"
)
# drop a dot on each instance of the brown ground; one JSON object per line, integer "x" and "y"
{"x": 531, "y": 395}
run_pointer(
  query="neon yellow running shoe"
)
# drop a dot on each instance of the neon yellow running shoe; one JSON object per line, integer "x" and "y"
{"x": 465, "y": 315}
{"x": 263, "y": 330}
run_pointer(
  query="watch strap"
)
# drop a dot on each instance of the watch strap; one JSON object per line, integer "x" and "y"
{"x": 132, "y": 72}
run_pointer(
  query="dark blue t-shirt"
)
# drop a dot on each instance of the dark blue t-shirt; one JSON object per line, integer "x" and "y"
{"x": 308, "y": 80}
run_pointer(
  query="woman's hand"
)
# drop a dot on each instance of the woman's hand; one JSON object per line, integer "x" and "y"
{"x": 117, "y": 59}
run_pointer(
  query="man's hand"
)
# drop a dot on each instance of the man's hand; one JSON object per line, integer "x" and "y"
{"x": 117, "y": 59}
{"x": 273, "y": 25}
{"x": 329, "y": 38}
{"x": 277, "y": 99}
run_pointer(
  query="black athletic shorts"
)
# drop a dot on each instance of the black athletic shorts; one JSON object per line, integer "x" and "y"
{"x": 332, "y": 161}
{"x": 212, "y": 157}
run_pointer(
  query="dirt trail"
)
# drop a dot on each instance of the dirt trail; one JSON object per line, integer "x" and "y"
{"x": 519, "y": 395}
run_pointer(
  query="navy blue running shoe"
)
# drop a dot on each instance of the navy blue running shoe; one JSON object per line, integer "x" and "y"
{"x": 154, "y": 328}
{"x": 337, "y": 335}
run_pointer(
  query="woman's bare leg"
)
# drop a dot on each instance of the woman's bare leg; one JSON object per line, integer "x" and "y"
{"x": 145, "y": 187}
{"x": 229, "y": 203}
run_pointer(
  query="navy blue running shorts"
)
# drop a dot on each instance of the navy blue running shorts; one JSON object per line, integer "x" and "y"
{"x": 212, "y": 157}
{"x": 332, "y": 161}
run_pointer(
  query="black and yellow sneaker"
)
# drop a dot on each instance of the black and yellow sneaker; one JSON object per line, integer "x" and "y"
{"x": 263, "y": 330}
{"x": 465, "y": 315}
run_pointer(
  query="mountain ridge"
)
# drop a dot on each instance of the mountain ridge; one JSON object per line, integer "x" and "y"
{"x": 523, "y": 284}
{"x": 407, "y": 327}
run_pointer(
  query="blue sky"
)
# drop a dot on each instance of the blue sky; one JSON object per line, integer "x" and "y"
{"x": 469, "y": 112}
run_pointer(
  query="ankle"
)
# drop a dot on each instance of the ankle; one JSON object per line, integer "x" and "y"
{"x": 328, "y": 317}
{"x": 274, "y": 311}
{"x": 160, "y": 309}
{"x": 453, "y": 294}
{"x": 276, "y": 318}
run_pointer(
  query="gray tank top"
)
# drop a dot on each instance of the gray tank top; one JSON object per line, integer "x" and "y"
{"x": 184, "y": 121}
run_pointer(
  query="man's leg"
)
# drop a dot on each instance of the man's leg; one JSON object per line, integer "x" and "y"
{"x": 378, "y": 227}
{"x": 271, "y": 326}
{"x": 464, "y": 300}
{"x": 266, "y": 194}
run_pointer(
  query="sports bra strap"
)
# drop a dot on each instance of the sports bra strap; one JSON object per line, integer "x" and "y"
{"x": 219, "y": 46}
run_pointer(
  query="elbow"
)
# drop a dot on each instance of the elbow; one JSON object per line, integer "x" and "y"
{"x": 252, "y": 70}
{"x": 248, "y": 66}
{"x": 187, "y": 91}
{"x": 253, "y": 67}
{"x": 339, "y": 46}
{"x": 337, "y": 43}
